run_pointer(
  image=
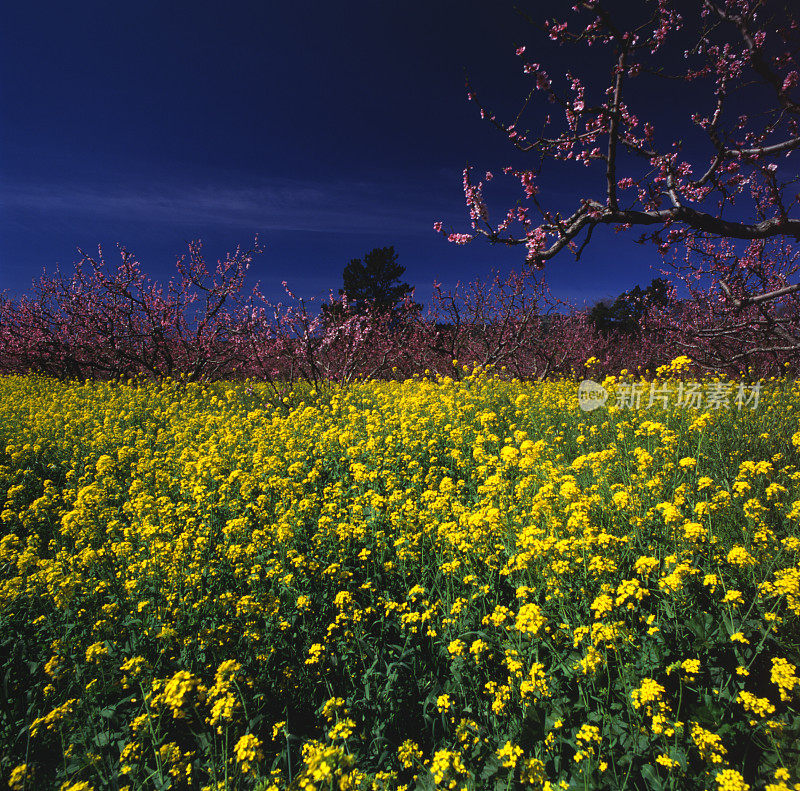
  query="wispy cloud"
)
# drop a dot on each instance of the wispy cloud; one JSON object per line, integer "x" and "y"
{"x": 275, "y": 205}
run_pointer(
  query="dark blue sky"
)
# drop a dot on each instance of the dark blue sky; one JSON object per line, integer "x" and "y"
{"x": 328, "y": 129}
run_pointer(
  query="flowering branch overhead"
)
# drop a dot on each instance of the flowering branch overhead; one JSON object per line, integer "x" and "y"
{"x": 739, "y": 49}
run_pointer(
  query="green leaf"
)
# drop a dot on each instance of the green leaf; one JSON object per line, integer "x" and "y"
{"x": 650, "y": 774}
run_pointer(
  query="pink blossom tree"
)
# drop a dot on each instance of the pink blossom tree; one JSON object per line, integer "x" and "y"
{"x": 725, "y": 202}
{"x": 510, "y": 322}
{"x": 103, "y": 323}
{"x": 745, "y": 316}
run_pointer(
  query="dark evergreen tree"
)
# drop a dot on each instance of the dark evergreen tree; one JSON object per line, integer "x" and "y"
{"x": 376, "y": 279}
{"x": 624, "y": 315}
{"x": 373, "y": 281}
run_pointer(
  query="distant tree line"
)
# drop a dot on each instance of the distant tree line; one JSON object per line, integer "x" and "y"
{"x": 101, "y": 322}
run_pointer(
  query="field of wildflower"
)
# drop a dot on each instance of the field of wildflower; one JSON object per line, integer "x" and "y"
{"x": 425, "y": 584}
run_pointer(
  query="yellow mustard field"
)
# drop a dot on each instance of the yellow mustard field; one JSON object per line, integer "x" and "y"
{"x": 425, "y": 584}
